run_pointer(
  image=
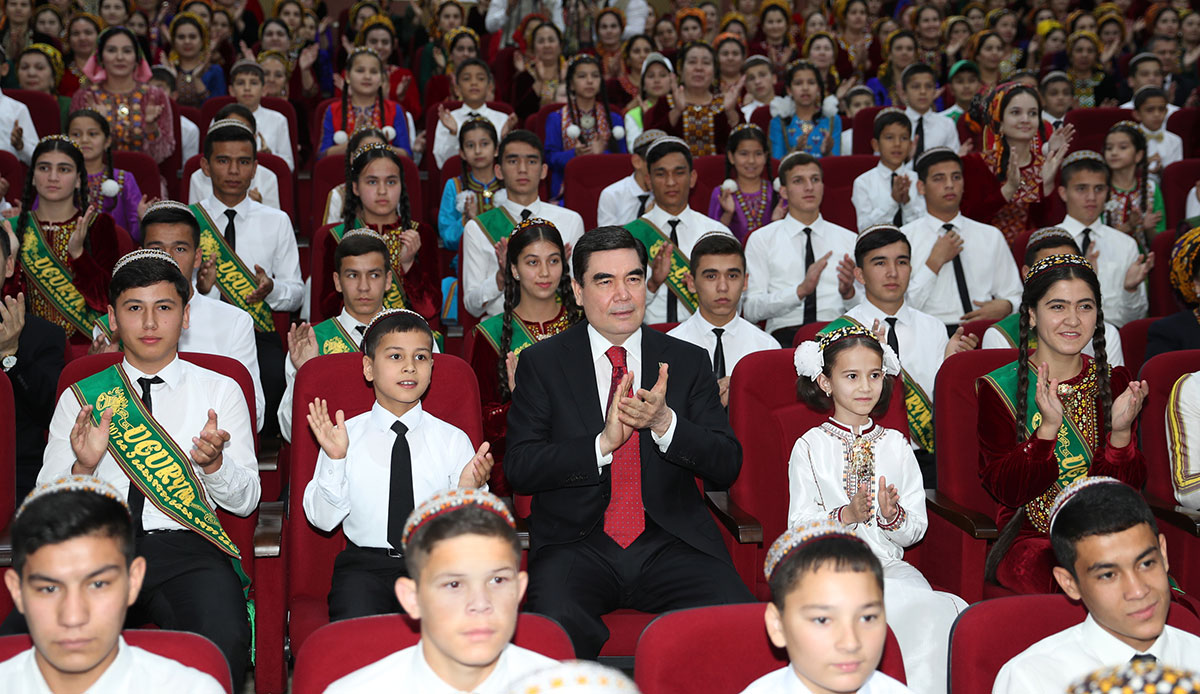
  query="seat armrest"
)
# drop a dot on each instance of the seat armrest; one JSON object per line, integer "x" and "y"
{"x": 268, "y": 533}
{"x": 1173, "y": 514}
{"x": 744, "y": 527}
{"x": 523, "y": 531}
{"x": 973, "y": 523}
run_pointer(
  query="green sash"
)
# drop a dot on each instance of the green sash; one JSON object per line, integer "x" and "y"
{"x": 105, "y": 328}
{"x": 332, "y": 338}
{"x": 234, "y": 279}
{"x": 521, "y": 337}
{"x": 53, "y": 279}
{"x": 497, "y": 224}
{"x": 1010, "y": 328}
{"x": 394, "y": 297}
{"x": 653, "y": 239}
{"x": 916, "y": 401}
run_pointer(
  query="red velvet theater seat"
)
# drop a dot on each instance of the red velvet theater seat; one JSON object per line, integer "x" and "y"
{"x": 839, "y": 174}
{"x": 586, "y": 176}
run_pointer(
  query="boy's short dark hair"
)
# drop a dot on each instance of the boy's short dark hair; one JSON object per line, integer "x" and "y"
{"x": 1084, "y": 164}
{"x": 1101, "y": 509}
{"x": 1140, "y": 58}
{"x": 916, "y": 69}
{"x": 716, "y": 244}
{"x": 1147, "y": 93}
{"x": 163, "y": 74}
{"x": 931, "y": 159}
{"x": 662, "y": 148}
{"x": 467, "y": 520}
{"x": 611, "y": 238}
{"x": 839, "y": 553}
{"x": 473, "y": 62}
{"x": 793, "y": 160}
{"x": 524, "y": 136}
{"x": 876, "y": 240}
{"x": 247, "y": 67}
{"x": 755, "y": 60}
{"x": 1052, "y": 241}
{"x": 147, "y": 272}
{"x": 61, "y": 516}
{"x": 228, "y": 134}
{"x": 398, "y": 322}
{"x": 172, "y": 215}
{"x": 235, "y": 109}
{"x": 888, "y": 117}
{"x": 355, "y": 245}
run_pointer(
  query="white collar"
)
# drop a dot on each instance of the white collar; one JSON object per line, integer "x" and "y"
{"x": 730, "y": 328}
{"x": 346, "y": 319}
{"x": 797, "y": 227}
{"x": 913, "y": 115}
{"x": 874, "y": 311}
{"x": 171, "y": 374}
{"x": 1110, "y": 649}
{"x": 384, "y": 420}
{"x": 658, "y": 213}
{"x": 958, "y": 222}
{"x": 515, "y": 210}
{"x": 883, "y": 169}
{"x": 1076, "y": 227}
{"x": 600, "y": 345}
{"x": 213, "y": 204}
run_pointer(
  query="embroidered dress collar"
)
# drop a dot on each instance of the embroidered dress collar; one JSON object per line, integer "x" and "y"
{"x": 846, "y": 431}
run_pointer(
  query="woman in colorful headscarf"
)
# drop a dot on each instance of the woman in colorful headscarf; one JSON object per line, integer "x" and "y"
{"x": 1048, "y": 39}
{"x": 775, "y": 21}
{"x": 731, "y": 53}
{"x": 448, "y": 17}
{"x": 976, "y": 14}
{"x": 82, "y": 32}
{"x": 927, "y": 25}
{"x": 901, "y": 48}
{"x": 736, "y": 23}
{"x": 626, "y": 86}
{"x": 986, "y": 49}
{"x": 610, "y": 26}
{"x": 119, "y": 89}
{"x": 1009, "y": 182}
{"x": 49, "y": 20}
{"x": 39, "y": 69}
{"x": 379, "y": 34}
{"x": 1110, "y": 28}
{"x": 692, "y": 24}
{"x": 542, "y": 77}
{"x": 1004, "y": 23}
{"x": 1162, "y": 20}
{"x": 274, "y": 35}
{"x": 196, "y": 78}
{"x": 853, "y": 24}
{"x": 1180, "y": 330}
{"x": 821, "y": 49}
{"x": 15, "y": 32}
{"x": 1091, "y": 85}
{"x": 697, "y": 111}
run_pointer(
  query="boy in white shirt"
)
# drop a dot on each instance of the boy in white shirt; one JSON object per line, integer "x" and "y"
{"x": 272, "y": 129}
{"x": 629, "y": 198}
{"x": 930, "y": 130}
{"x": 15, "y": 120}
{"x": 887, "y": 194}
{"x": 73, "y": 576}
{"x": 1163, "y": 147}
{"x": 825, "y": 580}
{"x": 472, "y": 81}
{"x": 858, "y": 98}
{"x": 760, "y": 84}
{"x": 1146, "y": 70}
{"x": 964, "y": 85}
{"x": 1058, "y": 94}
{"x": 264, "y": 186}
{"x": 1112, "y": 558}
{"x": 376, "y": 467}
{"x": 790, "y": 282}
{"x": 718, "y": 277}
{"x": 467, "y": 536}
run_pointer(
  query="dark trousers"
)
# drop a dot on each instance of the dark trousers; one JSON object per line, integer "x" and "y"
{"x": 785, "y": 336}
{"x": 270, "y": 367}
{"x": 190, "y": 585}
{"x": 364, "y": 583}
{"x": 577, "y": 583}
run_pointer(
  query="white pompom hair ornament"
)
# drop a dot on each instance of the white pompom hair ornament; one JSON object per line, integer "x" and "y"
{"x": 778, "y": 185}
{"x": 340, "y": 137}
{"x": 389, "y": 132}
{"x": 619, "y": 133}
{"x": 573, "y": 131}
{"x": 829, "y": 107}
{"x": 110, "y": 188}
{"x": 729, "y": 185}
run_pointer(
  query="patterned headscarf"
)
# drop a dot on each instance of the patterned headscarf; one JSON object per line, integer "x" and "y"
{"x": 52, "y": 55}
{"x": 1184, "y": 264}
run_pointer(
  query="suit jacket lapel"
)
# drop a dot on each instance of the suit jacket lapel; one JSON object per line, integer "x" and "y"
{"x": 579, "y": 376}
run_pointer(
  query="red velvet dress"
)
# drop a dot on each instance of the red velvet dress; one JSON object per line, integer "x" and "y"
{"x": 1026, "y": 474}
{"x": 704, "y": 128}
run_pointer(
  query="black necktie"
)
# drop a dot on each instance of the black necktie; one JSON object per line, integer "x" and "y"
{"x": 135, "y": 498}
{"x": 642, "y": 200}
{"x": 1057, "y": 124}
{"x": 1087, "y": 241}
{"x": 719, "y": 354}
{"x": 400, "y": 495}
{"x": 1147, "y": 658}
{"x": 810, "y": 257}
{"x": 362, "y": 331}
{"x": 920, "y": 137}
{"x": 960, "y": 277}
{"x": 892, "y": 339}
{"x": 230, "y": 230}
{"x": 898, "y": 219}
{"x": 526, "y": 214}
{"x": 672, "y": 301}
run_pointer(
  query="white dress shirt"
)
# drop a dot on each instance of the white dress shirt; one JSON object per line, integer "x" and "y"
{"x": 872, "y": 197}
{"x": 180, "y": 404}
{"x": 1169, "y": 148}
{"x": 922, "y": 339}
{"x": 741, "y": 337}
{"x": 133, "y": 670}
{"x": 14, "y": 113}
{"x": 265, "y": 182}
{"x": 994, "y": 339}
{"x": 351, "y": 325}
{"x": 1171, "y": 108}
{"x": 1183, "y": 433}
{"x": 264, "y": 238}
{"x": 497, "y": 17}
{"x": 785, "y": 681}
{"x": 445, "y": 145}
{"x": 988, "y": 267}
{"x": 274, "y": 135}
{"x": 189, "y": 138}
{"x": 940, "y": 131}
{"x": 775, "y": 268}
{"x": 1118, "y": 251}
{"x": 480, "y": 295}
{"x": 353, "y": 491}
{"x": 692, "y": 226}
{"x": 636, "y": 13}
{"x": 1054, "y": 663}
{"x": 848, "y": 141}
{"x": 633, "y": 363}
{"x": 409, "y": 667}
{"x": 619, "y": 202}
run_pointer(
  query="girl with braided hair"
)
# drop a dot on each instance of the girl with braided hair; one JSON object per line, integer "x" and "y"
{"x": 1051, "y": 417}
{"x": 114, "y": 191}
{"x": 472, "y": 192}
{"x": 67, "y": 246}
{"x": 1135, "y": 204}
{"x": 538, "y": 303}
{"x": 376, "y": 199}
{"x": 337, "y": 196}
{"x": 624, "y": 88}
{"x": 585, "y": 125}
{"x": 363, "y": 105}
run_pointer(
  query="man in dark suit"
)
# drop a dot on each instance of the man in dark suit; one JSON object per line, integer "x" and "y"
{"x": 618, "y": 520}
{"x": 31, "y": 356}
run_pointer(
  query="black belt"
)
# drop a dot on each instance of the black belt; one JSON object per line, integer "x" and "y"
{"x": 388, "y": 551}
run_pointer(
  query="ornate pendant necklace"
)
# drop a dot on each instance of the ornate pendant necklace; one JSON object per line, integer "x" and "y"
{"x": 754, "y": 214}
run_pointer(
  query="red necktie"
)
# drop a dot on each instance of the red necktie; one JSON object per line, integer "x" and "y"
{"x": 625, "y": 518}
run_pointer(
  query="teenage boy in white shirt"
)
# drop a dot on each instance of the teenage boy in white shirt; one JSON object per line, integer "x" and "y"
{"x": 629, "y": 198}
{"x": 930, "y": 129}
{"x": 887, "y": 194}
{"x": 472, "y": 81}
{"x": 271, "y": 126}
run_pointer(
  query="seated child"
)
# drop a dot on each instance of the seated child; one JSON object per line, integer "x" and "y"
{"x": 1163, "y": 147}
{"x": 73, "y": 576}
{"x": 1058, "y": 94}
{"x": 273, "y": 129}
{"x": 353, "y": 485}
{"x": 856, "y": 99}
{"x": 468, "y": 535}
{"x": 964, "y": 84}
{"x": 825, "y": 578}
{"x": 860, "y": 474}
{"x": 1111, "y": 557}
{"x": 887, "y": 194}
{"x": 472, "y": 82}
{"x": 471, "y": 192}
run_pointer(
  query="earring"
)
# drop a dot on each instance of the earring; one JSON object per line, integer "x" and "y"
{"x": 517, "y": 277}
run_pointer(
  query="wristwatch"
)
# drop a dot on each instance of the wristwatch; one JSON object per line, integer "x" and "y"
{"x": 8, "y": 362}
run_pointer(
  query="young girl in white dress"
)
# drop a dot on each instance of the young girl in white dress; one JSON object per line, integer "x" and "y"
{"x": 865, "y": 476}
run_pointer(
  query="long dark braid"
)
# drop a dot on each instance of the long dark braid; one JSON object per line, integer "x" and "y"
{"x": 517, "y": 243}
{"x": 1141, "y": 169}
{"x": 102, "y": 123}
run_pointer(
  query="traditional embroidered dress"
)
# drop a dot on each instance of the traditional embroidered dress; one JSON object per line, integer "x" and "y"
{"x": 1084, "y": 87}
{"x": 359, "y": 117}
{"x": 199, "y": 84}
{"x": 560, "y": 146}
{"x": 1030, "y": 474}
{"x": 123, "y": 207}
{"x": 827, "y": 465}
{"x": 450, "y": 219}
{"x": 1011, "y": 63}
{"x": 1013, "y": 218}
{"x": 1121, "y": 204}
{"x": 795, "y": 134}
{"x": 704, "y": 127}
{"x": 126, "y": 117}
{"x": 751, "y": 210}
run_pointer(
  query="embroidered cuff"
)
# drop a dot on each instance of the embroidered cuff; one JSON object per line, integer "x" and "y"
{"x": 894, "y": 524}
